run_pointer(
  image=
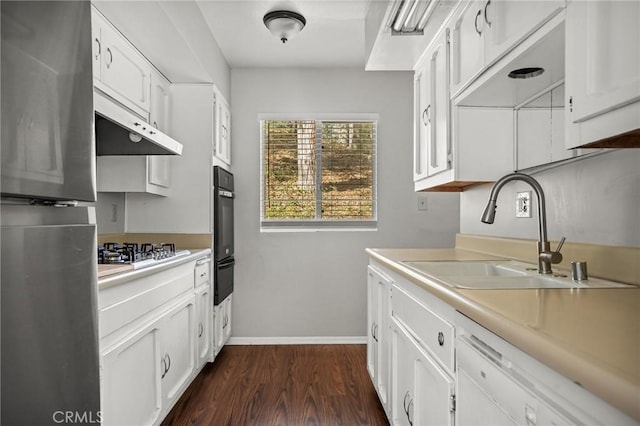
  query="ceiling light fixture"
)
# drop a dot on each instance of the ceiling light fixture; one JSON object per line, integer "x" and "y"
{"x": 284, "y": 24}
{"x": 410, "y": 17}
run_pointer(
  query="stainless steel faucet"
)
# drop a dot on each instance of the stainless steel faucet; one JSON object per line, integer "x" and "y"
{"x": 546, "y": 257}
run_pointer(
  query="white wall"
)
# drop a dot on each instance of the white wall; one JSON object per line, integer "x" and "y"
{"x": 594, "y": 200}
{"x": 314, "y": 284}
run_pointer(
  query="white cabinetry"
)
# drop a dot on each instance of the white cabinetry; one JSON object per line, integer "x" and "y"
{"x": 431, "y": 137}
{"x": 422, "y": 392}
{"x": 484, "y": 31}
{"x": 204, "y": 313}
{"x": 378, "y": 343}
{"x": 120, "y": 71}
{"x": 133, "y": 173}
{"x": 156, "y": 361}
{"x": 222, "y": 141}
{"x": 149, "y": 343}
{"x": 422, "y": 359}
{"x": 222, "y": 318}
{"x": 603, "y": 71}
{"x": 178, "y": 351}
{"x": 131, "y": 375}
{"x": 160, "y": 102}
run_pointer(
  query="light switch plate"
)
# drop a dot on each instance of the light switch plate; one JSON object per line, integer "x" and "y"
{"x": 523, "y": 204}
{"x": 422, "y": 202}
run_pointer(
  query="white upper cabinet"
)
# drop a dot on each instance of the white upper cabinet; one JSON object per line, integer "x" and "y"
{"x": 484, "y": 31}
{"x": 222, "y": 137}
{"x": 160, "y": 102}
{"x": 120, "y": 70}
{"x": 431, "y": 117}
{"x": 603, "y": 71}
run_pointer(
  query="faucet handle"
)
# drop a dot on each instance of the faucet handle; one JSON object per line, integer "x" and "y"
{"x": 556, "y": 256}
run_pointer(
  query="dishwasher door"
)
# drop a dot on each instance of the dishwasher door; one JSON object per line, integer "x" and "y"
{"x": 482, "y": 391}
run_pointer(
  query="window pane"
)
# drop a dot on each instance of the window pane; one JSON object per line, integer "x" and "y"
{"x": 289, "y": 169}
{"x": 347, "y": 170}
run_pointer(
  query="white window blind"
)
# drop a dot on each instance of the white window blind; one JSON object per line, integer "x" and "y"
{"x": 318, "y": 173}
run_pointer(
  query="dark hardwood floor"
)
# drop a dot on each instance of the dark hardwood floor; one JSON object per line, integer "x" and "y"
{"x": 282, "y": 385}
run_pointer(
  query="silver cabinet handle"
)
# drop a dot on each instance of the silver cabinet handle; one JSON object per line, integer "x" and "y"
{"x": 476, "y": 22}
{"x": 486, "y": 19}
{"x": 200, "y": 330}
{"x": 426, "y": 119}
{"x": 163, "y": 367}
{"x": 409, "y": 413}
{"x": 110, "y": 57}
{"x": 168, "y": 362}
{"x": 155, "y": 124}
{"x": 99, "y": 52}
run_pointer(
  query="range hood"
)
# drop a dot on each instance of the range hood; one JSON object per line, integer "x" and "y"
{"x": 121, "y": 132}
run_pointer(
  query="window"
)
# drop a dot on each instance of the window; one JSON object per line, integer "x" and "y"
{"x": 318, "y": 173}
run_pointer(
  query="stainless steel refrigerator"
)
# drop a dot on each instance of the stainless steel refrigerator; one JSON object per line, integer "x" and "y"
{"x": 49, "y": 355}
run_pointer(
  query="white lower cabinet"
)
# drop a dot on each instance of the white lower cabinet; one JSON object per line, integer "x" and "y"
{"x": 155, "y": 336}
{"x": 222, "y": 318}
{"x": 378, "y": 341}
{"x": 131, "y": 375}
{"x": 178, "y": 351}
{"x": 204, "y": 324}
{"x": 146, "y": 373}
{"x": 422, "y": 391}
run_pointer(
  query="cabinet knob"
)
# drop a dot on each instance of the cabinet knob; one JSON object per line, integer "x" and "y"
{"x": 440, "y": 338}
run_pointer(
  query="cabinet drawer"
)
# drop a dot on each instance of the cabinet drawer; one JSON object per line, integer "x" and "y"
{"x": 202, "y": 271}
{"x": 431, "y": 331}
{"x": 121, "y": 305}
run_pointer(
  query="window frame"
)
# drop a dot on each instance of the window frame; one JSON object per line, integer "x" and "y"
{"x": 319, "y": 224}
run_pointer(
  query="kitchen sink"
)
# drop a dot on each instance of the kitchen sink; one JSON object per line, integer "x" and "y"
{"x": 493, "y": 268}
{"x": 501, "y": 274}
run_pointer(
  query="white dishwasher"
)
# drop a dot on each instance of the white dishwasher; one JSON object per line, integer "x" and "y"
{"x": 493, "y": 389}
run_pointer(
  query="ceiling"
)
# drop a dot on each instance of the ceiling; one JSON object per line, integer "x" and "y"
{"x": 332, "y": 37}
{"x": 178, "y": 36}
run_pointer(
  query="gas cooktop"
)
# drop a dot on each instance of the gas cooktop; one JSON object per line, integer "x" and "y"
{"x": 138, "y": 255}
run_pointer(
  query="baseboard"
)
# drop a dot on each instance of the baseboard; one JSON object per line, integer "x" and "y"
{"x": 320, "y": 340}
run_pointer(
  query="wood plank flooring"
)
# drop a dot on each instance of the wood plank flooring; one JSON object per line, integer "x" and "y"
{"x": 282, "y": 385}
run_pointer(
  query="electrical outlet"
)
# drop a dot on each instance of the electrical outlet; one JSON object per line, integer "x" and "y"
{"x": 114, "y": 212}
{"x": 523, "y": 204}
{"x": 422, "y": 202}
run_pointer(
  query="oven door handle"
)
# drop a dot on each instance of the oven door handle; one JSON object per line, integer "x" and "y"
{"x": 227, "y": 263}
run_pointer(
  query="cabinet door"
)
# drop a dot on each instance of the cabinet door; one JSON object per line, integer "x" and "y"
{"x": 433, "y": 403}
{"x": 602, "y": 57}
{"x": 222, "y": 323}
{"x": 402, "y": 377}
{"x": 159, "y": 170}
{"x": 467, "y": 45}
{"x": 438, "y": 66}
{"x": 383, "y": 289}
{"x": 178, "y": 355}
{"x": 372, "y": 317}
{"x": 160, "y": 102}
{"x": 131, "y": 384}
{"x": 222, "y": 144}
{"x": 422, "y": 125}
{"x": 124, "y": 70}
{"x": 509, "y": 22}
{"x": 96, "y": 28}
{"x": 203, "y": 326}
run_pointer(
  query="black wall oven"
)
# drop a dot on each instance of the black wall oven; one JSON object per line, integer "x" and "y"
{"x": 222, "y": 234}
